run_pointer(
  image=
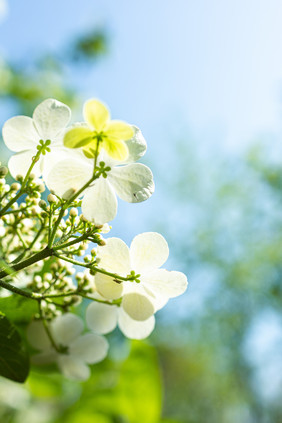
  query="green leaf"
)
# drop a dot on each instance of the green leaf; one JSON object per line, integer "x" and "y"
{"x": 128, "y": 391}
{"x": 18, "y": 309}
{"x": 14, "y": 360}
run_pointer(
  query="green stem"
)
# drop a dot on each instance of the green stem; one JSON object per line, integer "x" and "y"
{"x": 90, "y": 266}
{"x": 21, "y": 191}
{"x": 36, "y": 237}
{"x": 21, "y": 238}
{"x": 23, "y": 293}
{"x": 16, "y": 211}
{"x": 77, "y": 292}
{"x": 47, "y": 252}
{"x": 80, "y": 191}
{"x": 55, "y": 227}
{"x": 47, "y": 330}
{"x": 74, "y": 241}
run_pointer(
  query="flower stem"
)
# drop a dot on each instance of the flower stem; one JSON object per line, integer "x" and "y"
{"x": 47, "y": 252}
{"x": 90, "y": 266}
{"x": 47, "y": 329}
{"x": 21, "y": 191}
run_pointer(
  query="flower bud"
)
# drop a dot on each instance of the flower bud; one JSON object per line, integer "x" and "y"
{"x": 51, "y": 198}
{"x": 69, "y": 193}
{"x": 41, "y": 188}
{"x": 15, "y": 186}
{"x": 73, "y": 212}
{"x": 82, "y": 218}
{"x": 3, "y": 171}
{"x": 42, "y": 204}
{"x": 101, "y": 242}
{"x": 87, "y": 258}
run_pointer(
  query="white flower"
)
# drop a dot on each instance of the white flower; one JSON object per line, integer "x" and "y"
{"x": 132, "y": 182}
{"x": 66, "y": 331}
{"x": 103, "y": 318}
{"x": 148, "y": 251}
{"x": 22, "y": 134}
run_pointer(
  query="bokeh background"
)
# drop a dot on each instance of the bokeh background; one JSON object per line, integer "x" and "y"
{"x": 203, "y": 80}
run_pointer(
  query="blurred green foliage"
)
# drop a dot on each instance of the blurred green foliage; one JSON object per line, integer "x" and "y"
{"x": 230, "y": 245}
{"x": 27, "y": 84}
{"x": 122, "y": 391}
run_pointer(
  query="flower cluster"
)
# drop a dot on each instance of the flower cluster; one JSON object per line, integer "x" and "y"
{"x": 85, "y": 166}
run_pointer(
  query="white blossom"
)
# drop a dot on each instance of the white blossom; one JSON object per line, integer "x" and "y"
{"x": 147, "y": 253}
{"x": 132, "y": 182}
{"x": 22, "y": 134}
{"x": 82, "y": 349}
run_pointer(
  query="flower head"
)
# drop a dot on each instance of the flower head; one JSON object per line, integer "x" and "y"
{"x": 77, "y": 350}
{"x": 153, "y": 286}
{"x": 22, "y": 134}
{"x": 132, "y": 182}
{"x": 99, "y": 132}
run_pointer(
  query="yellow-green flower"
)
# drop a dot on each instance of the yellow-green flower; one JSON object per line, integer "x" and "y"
{"x": 99, "y": 132}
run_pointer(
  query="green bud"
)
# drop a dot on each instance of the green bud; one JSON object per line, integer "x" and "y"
{"x": 3, "y": 171}
{"x": 15, "y": 186}
{"x": 42, "y": 204}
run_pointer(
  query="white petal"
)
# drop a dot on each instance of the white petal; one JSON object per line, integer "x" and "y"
{"x": 101, "y": 318}
{"x": 137, "y": 146}
{"x": 19, "y": 163}
{"x": 107, "y": 287}
{"x": 165, "y": 284}
{"x": 50, "y": 117}
{"x": 68, "y": 175}
{"x": 37, "y": 336}
{"x": 90, "y": 348}
{"x": 138, "y": 307}
{"x": 142, "y": 288}
{"x": 60, "y": 153}
{"x": 73, "y": 368}
{"x": 136, "y": 149}
{"x": 133, "y": 183}
{"x": 99, "y": 204}
{"x": 66, "y": 328}
{"x": 148, "y": 251}
{"x": 133, "y": 329}
{"x": 20, "y": 134}
{"x": 114, "y": 256}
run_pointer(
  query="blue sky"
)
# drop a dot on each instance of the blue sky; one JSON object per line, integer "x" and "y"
{"x": 214, "y": 66}
{"x": 212, "y": 69}
{"x": 206, "y": 71}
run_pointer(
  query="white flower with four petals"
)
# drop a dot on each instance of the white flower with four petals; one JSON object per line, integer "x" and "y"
{"x": 147, "y": 253}
{"x": 22, "y": 135}
{"x": 82, "y": 349}
{"x": 132, "y": 182}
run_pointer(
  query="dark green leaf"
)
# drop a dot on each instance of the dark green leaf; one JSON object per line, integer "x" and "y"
{"x": 14, "y": 360}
